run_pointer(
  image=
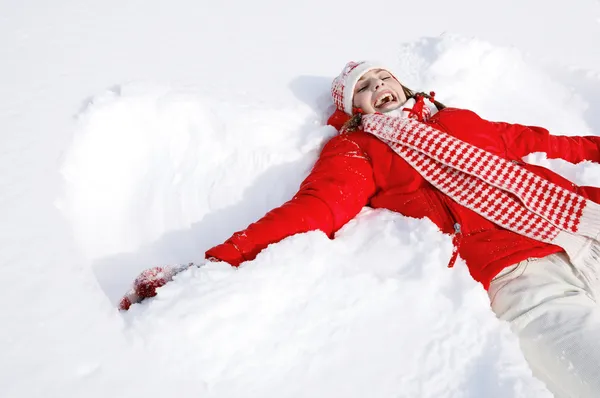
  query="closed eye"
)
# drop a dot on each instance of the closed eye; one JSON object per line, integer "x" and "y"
{"x": 384, "y": 75}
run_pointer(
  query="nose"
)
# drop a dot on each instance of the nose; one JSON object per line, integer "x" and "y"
{"x": 378, "y": 84}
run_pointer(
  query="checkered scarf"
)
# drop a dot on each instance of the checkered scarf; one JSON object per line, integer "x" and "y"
{"x": 501, "y": 191}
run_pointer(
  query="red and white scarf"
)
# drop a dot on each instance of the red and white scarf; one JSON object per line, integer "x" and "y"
{"x": 497, "y": 189}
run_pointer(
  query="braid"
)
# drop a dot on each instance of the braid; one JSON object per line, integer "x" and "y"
{"x": 353, "y": 123}
{"x": 411, "y": 94}
{"x": 437, "y": 103}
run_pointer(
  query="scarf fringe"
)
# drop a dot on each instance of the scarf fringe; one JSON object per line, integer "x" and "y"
{"x": 590, "y": 271}
{"x": 587, "y": 265}
{"x": 584, "y": 254}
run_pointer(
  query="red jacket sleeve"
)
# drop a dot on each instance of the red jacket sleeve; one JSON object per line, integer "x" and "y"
{"x": 522, "y": 140}
{"x": 339, "y": 185}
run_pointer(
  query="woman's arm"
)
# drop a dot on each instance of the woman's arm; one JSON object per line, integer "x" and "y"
{"x": 522, "y": 140}
{"x": 339, "y": 185}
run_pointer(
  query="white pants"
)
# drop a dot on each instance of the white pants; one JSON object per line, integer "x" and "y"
{"x": 554, "y": 313}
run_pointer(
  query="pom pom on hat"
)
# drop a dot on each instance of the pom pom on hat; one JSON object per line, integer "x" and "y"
{"x": 342, "y": 88}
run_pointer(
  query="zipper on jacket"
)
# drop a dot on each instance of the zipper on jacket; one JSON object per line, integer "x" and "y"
{"x": 457, "y": 235}
{"x": 456, "y": 241}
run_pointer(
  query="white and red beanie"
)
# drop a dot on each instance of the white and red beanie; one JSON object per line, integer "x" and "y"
{"x": 342, "y": 88}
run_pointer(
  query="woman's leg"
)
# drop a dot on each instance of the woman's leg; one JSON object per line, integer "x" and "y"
{"x": 557, "y": 320}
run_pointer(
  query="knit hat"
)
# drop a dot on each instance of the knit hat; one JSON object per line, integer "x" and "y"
{"x": 342, "y": 88}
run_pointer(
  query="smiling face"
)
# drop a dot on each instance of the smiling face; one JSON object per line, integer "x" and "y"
{"x": 378, "y": 91}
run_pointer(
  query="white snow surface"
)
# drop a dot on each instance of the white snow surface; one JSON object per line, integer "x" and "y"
{"x": 141, "y": 133}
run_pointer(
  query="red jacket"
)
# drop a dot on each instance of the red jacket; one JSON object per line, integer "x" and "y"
{"x": 357, "y": 169}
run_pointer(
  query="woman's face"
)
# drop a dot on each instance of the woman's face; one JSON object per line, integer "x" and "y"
{"x": 378, "y": 91}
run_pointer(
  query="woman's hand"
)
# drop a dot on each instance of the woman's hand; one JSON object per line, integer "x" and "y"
{"x": 148, "y": 281}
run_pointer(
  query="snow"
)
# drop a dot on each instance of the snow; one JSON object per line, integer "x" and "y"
{"x": 142, "y": 133}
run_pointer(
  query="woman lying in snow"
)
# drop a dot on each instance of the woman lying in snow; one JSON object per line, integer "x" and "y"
{"x": 527, "y": 234}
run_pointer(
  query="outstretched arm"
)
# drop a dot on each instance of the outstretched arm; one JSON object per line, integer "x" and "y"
{"x": 522, "y": 140}
{"x": 339, "y": 185}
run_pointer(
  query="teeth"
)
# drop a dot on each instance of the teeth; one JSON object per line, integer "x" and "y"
{"x": 384, "y": 99}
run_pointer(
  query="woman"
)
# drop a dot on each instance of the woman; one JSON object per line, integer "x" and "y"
{"x": 528, "y": 235}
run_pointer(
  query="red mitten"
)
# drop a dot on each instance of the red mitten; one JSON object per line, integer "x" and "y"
{"x": 148, "y": 281}
{"x": 128, "y": 299}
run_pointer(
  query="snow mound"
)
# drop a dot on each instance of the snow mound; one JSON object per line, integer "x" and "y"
{"x": 373, "y": 309}
{"x": 166, "y": 173}
{"x": 149, "y": 160}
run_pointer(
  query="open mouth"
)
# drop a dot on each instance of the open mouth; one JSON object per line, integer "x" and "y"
{"x": 385, "y": 100}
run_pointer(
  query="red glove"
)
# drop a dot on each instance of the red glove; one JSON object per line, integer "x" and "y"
{"x": 148, "y": 281}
